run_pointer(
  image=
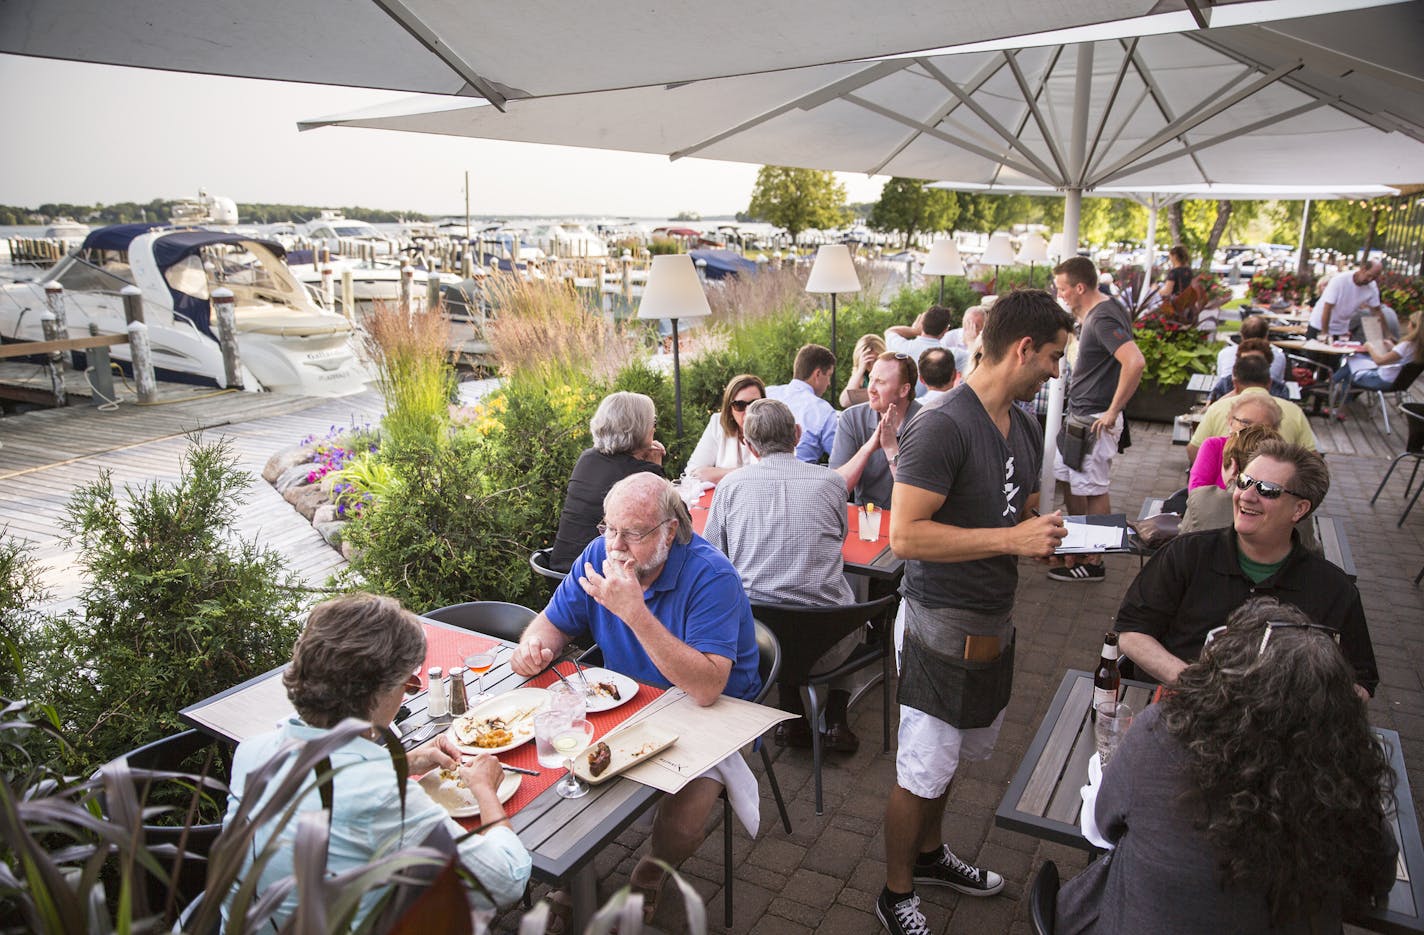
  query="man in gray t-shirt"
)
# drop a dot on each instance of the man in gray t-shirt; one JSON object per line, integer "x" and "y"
{"x": 962, "y": 514}
{"x": 868, "y": 435}
{"x": 1105, "y": 375}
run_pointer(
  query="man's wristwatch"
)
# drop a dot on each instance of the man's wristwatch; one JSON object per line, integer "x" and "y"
{"x": 895, "y": 459}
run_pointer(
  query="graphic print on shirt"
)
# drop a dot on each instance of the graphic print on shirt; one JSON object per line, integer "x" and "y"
{"x": 1011, "y": 490}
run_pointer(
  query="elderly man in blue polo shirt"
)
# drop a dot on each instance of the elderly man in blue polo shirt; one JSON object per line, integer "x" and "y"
{"x": 668, "y": 609}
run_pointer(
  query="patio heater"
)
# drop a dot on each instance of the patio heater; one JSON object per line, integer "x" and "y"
{"x": 1033, "y": 250}
{"x": 833, "y": 272}
{"x": 999, "y": 253}
{"x": 674, "y": 292}
{"x": 943, "y": 261}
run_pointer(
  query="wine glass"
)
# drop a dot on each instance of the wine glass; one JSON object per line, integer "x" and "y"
{"x": 480, "y": 663}
{"x": 570, "y": 742}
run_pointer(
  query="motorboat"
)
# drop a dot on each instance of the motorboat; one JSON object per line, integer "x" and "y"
{"x": 568, "y": 239}
{"x": 287, "y": 344}
{"x": 69, "y": 232}
{"x": 340, "y": 234}
{"x": 204, "y": 211}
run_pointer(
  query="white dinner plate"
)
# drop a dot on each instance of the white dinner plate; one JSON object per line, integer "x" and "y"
{"x": 452, "y": 795}
{"x": 599, "y": 701}
{"x": 517, "y": 708}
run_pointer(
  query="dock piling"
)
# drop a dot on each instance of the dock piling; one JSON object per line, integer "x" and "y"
{"x": 141, "y": 354}
{"x": 133, "y": 303}
{"x": 225, "y": 311}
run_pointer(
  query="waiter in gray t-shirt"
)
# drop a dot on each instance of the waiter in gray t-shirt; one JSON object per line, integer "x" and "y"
{"x": 963, "y": 513}
{"x": 1105, "y": 375}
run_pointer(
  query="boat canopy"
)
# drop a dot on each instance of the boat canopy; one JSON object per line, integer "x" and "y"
{"x": 118, "y": 236}
{"x": 172, "y": 248}
{"x": 723, "y": 263}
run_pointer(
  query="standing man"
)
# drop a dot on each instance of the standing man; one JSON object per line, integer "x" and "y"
{"x": 963, "y": 514}
{"x": 782, "y": 523}
{"x": 811, "y": 376}
{"x": 1105, "y": 375}
{"x": 1343, "y": 297}
{"x": 928, "y": 331}
{"x": 868, "y": 437}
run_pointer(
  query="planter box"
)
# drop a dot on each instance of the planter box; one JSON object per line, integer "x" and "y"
{"x": 1154, "y": 402}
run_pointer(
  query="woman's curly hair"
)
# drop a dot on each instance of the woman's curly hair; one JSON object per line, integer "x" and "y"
{"x": 354, "y": 649}
{"x": 1287, "y": 772}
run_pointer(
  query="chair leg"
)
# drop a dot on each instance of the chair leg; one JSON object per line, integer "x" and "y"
{"x": 1384, "y": 410}
{"x": 1384, "y": 480}
{"x": 727, "y": 858}
{"x": 1419, "y": 577}
{"x": 813, "y": 716}
{"x": 775, "y": 789}
{"x": 1418, "y": 459}
{"x": 1412, "y": 500}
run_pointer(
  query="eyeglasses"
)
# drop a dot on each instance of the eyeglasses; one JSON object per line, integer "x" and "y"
{"x": 1244, "y": 423}
{"x": 741, "y": 404}
{"x": 613, "y": 532}
{"x": 901, "y": 356}
{"x": 1274, "y": 625}
{"x": 1265, "y": 488}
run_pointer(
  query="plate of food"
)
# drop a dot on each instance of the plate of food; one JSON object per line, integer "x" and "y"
{"x": 500, "y": 724}
{"x": 623, "y": 749}
{"x": 607, "y": 689}
{"x": 448, "y": 790}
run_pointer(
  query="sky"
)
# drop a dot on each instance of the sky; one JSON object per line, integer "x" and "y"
{"x": 81, "y": 134}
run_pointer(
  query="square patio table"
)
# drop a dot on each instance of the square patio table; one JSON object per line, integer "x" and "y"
{"x": 1043, "y": 798}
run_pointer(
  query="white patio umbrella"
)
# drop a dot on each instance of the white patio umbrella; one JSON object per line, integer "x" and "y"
{"x": 540, "y": 47}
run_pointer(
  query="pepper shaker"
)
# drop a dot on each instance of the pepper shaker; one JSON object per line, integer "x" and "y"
{"x": 458, "y": 701}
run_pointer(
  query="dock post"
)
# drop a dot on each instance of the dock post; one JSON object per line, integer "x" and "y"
{"x": 103, "y": 379}
{"x": 141, "y": 355}
{"x": 348, "y": 295}
{"x": 225, "y": 311}
{"x": 432, "y": 285}
{"x": 467, "y": 264}
{"x": 53, "y": 358}
{"x": 54, "y": 301}
{"x": 133, "y": 303}
{"x": 407, "y": 275}
{"x": 328, "y": 295}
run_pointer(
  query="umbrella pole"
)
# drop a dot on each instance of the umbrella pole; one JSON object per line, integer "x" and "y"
{"x": 676, "y": 378}
{"x": 833, "y": 324}
{"x": 941, "y": 290}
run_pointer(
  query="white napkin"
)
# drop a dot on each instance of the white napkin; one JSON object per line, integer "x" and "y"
{"x": 1088, "y": 817}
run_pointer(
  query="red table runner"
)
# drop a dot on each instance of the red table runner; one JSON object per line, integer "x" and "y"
{"x": 445, "y": 648}
{"x": 527, "y": 756}
{"x": 854, "y": 550}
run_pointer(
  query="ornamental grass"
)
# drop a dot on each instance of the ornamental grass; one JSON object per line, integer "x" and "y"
{"x": 413, "y": 370}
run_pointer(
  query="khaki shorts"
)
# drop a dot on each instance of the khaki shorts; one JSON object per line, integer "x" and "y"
{"x": 1093, "y": 479}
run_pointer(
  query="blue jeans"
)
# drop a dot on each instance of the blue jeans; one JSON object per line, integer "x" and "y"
{"x": 1364, "y": 380}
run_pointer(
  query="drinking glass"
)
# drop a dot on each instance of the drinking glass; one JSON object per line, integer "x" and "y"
{"x": 869, "y": 526}
{"x": 570, "y": 742}
{"x": 480, "y": 663}
{"x": 548, "y": 725}
{"x": 1113, "y": 720}
{"x": 570, "y": 699}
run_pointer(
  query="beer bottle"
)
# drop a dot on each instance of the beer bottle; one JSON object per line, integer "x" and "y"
{"x": 1106, "y": 679}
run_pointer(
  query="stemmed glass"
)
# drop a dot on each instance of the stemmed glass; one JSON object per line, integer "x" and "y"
{"x": 570, "y": 742}
{"x": 480, "y": 663}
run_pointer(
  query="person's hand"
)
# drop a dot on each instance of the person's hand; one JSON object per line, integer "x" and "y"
{"x": 653, "y": 453}
{"x": 531, "y": 657}
{"x": 888, "y": 430}
{"x": 1038, "y": 536}
{"x": 440, "y": 753}
{"x": 1104, "y": 423}
{"x": 919, "y": 323}
{"x": 482, "y": 772}
{"x": 705, "y": 473}
{"x": 616, "y": 589}
{"x": 1362, "y": 693}
{"x": 867, "y": 361}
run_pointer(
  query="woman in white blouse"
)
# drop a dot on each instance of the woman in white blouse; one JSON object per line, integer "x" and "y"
{"x": 722, "y": 449}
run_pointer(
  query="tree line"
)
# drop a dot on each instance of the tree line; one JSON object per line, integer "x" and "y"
{"x": 159, "y": 210}
{"x": 804, "y": 199}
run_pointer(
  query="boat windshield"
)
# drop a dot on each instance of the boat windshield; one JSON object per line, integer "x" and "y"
{"x": 251, "y": 271}
{"x": 76, "y": 274}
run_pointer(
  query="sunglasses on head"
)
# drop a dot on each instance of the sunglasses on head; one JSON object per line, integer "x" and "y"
{"x": 1274, "y": 625}
{"x": 1265, "y": 488}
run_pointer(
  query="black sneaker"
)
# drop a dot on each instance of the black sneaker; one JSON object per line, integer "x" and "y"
{"x": 1079, "y": 574}
{"x": 950, "y": 871}
{"x": 903, "y": 917}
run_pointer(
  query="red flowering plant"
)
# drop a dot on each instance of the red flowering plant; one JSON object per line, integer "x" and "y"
{"x": 1404, "y": 294}
{"x": 1173, "y": 351}
{"x": 1266, "y": 285}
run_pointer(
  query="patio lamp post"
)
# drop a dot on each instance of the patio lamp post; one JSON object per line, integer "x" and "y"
{"x": 999, "y": 253}
{"x": 674, "y": 292}
{"x": 833, "y": 272}
{"x": 943, "y": 261}
{"x": 1033, "y": 250}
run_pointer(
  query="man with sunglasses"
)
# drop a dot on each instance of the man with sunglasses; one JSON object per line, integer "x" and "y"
{"x": 1195, "y": 582}
{"x": 668, "y": 609}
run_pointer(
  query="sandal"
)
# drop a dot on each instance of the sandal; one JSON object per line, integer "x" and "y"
{"x": 561, "y": 913}
{"x": 650, "y": 897}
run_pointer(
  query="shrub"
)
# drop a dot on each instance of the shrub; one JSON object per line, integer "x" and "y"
{"x": 411, "y": 353}
{"x": 1173, "y": 351}
{"x": 21, "y": 596}
{"x": 661, "y": 246}
{"x": 176, "y": 607}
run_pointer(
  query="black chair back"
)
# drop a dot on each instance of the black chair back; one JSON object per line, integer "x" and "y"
{"x": 768, "y": 658}
{"x": 493, "y": 618}
{"x": 1407, "y": 375}
{"x": 1043, "y": 899}
{"x": 805, "y": 633}
{"x": 1414, "y": 413}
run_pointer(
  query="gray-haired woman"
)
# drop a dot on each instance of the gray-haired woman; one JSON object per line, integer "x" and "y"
{"x": 623, "y": 445}
{"x": 352, "y": 661}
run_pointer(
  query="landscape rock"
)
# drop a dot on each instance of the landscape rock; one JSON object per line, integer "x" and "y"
{"x": 305, "y": 499}
{"x": 348, "y": 551}
{"x": 326, "y": 513}
{"x": 280, "y": 462}
{"x": 294, "y": 476}
{"x": 331, "y": 532}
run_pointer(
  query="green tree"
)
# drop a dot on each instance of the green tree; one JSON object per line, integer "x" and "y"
{"x": 798, "y": 199}
{"x": 908, "y": 206}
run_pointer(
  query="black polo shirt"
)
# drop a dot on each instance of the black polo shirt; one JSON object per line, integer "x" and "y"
{"x": 1195, "y": 582}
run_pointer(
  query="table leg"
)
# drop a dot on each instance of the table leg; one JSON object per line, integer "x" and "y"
{"x": 583, "y": 890}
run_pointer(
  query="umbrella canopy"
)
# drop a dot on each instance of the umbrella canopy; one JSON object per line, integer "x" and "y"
{"x": 542, "y": 47}
{"x": 1264, "y": 104}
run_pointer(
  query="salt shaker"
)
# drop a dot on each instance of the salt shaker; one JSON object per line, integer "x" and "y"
{"x": 437, "y": 701}
{"x": 458, "y": 701}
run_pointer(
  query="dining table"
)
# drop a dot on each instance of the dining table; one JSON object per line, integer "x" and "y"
{"x": 562, "y": 835}
{"x": 1316, "y": 346}
{"x": 1044, "y": 798}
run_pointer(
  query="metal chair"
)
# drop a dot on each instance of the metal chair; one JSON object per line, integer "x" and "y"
{"x": 492, "y": 618}
{"x": 1402, "y": 382}
{"x": 539, "y": 561}
{"x": 1043, "y": 899}
{"x": 1413, "y": 448}
{"x": 806, "y": 633}
{"x": 769, "y": 668}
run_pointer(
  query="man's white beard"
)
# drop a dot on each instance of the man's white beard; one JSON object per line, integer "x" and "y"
{"x": 641, "y": 571}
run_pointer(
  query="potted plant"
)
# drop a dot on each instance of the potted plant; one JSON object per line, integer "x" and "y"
{"x": 1173, "y": 352}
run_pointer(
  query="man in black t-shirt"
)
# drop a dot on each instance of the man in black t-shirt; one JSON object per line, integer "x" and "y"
{"x": 963, "y": 514}
{"x": 1105, "y": 375}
